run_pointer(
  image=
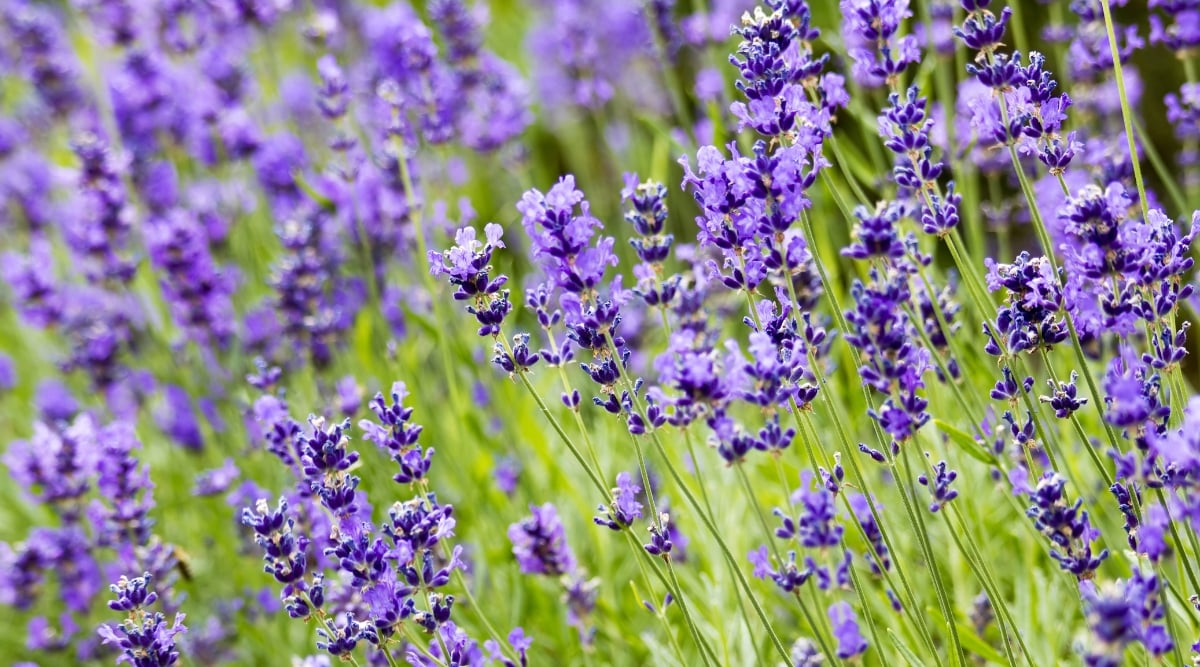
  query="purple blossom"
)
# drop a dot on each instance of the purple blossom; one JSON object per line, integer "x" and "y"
{"x": 1066, "y": 526}
{"x": 539, "y": 543}
{"x": 467, "y": 266}
{"x": 624, "y": 508}
{"x": 845, "y": 630}
{"x": 145, "y": 638}
{"x": 216, "y": 481}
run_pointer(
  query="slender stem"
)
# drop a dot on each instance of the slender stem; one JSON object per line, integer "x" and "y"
{"x": 918, "y": 521}
{"x": 762, "y": 519}
{"x": 656, "y": 518}
{"x": 708, "y": 522}
{"x": 563, "y": 436}
{"x": 687, "y": 437}
{"x": 1126, "y": 113}
{"x": 417, "y": 208}
{"x": 957, "y": 531}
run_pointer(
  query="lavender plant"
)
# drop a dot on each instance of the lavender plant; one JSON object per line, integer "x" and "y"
{"x": 462, "y": 333}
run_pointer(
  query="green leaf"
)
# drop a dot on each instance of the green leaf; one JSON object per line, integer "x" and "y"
{"x": 970, "y": 641}
{"x": 969, "y": 445}
{"x": 905, "y": 650}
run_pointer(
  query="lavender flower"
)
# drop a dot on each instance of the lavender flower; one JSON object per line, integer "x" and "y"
{"x": 468, "y": 266}
{"x": 845, "y": 630}
{"x": 540, "y": 543}
{"x": 939, "y": 485}
{"x": 145, "y": 638}
{"x": 624, "y": 508}
{"x": 1067, "y": 527}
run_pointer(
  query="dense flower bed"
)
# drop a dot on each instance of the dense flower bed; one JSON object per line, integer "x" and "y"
{"x": 867, "y": 344}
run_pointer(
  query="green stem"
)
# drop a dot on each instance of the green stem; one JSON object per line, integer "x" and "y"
{"x": 708, "y": 522}
{"x": 918, "y": 521}
{"x": 687, "y": 437}
{"x": 1126, "y": 114}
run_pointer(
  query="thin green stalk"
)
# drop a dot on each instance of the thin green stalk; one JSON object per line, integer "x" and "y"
{"x": 705, "y": 650}
{"x": 675, "y": 590}
{"x": 861, "y": 480}
{"x": 708, "y": 521}
{"x": 1162, "y": 170}
{"x": 1002, "y": 619}
{"x": 687, "y": 437}
{"x": 410, "y": 196}
{"x": 987, "y": 579}
{"x": 822, "y": 382}
{"x": 770, "y": 537}
{"x": 728, "y": 555}
{"x": 918, "y": 522}
{"x": 569, "y": 389}
{"x": 1039, "y": 227}
{"x": 563, "y": 436}
{"x": 604, "y": 491}
{"x": 1079, "y": 430}
{"x": 656, "y": 518}
{"x": 1126, "y": 113}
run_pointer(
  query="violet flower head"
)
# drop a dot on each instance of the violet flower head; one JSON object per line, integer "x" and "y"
{"x": 395, "y": 435}
{"x": 325, "y": 463}
{"x": 939, "y": 485}
{"x": 1031, "y": 316}
{"x": 467, "y": 266}
{"x": 625, "y": 508}
{"x": 539, "y": 543}
{"x": 217, "y": 480}
{"x": 56, "y": 467}
{"x": 45, "y": 56}
{"x": 284, "y": 548}
{"x": 647, "y": 213}
{"x": 123, "y": 514}
{"x": 893, "y": 363}
{"x": 1067, "y": 526}
{"x": 583, "y": 48}
{"x": 561, "y": 238}
{"x": 1064, "y": 397}
{"x": 145, "y": 639}
{"x": 507, "y": 475}
{"x": 198, "y": 291}
{"x": 845, "y": 630}
{"x": 871, "y": 28}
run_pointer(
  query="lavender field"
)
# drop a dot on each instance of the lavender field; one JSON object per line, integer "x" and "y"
{"x": 599, "y": 332}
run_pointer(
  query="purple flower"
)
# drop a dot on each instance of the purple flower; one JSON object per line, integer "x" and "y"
{"x": 122, "y": 515}
{"x": 56, "y": 466}
{"x": 145, "y": 638}
{"x": 561, "y": 239}
{"x": 539, "y": 543}
{"x": 582, "y": 49}
{"x": 177, "y": 417}
{"x": 325, "y": 463}
{"x": 1031, "y": 316}
{"x": 507, "y": 474}
{"x": 624, "y": 508}
{"x": 217, "y": 480}
{"x": 1067, "y": 527}
{"x": 395, "y": 435}
{"x": 196, "y": 288}
{"x": 845, "y": 630}
{"x": 467, "y": 266}
{"x": 939, "y": 485}
{"x": 8, "y": 373}
{"x": 871, "y": 27}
